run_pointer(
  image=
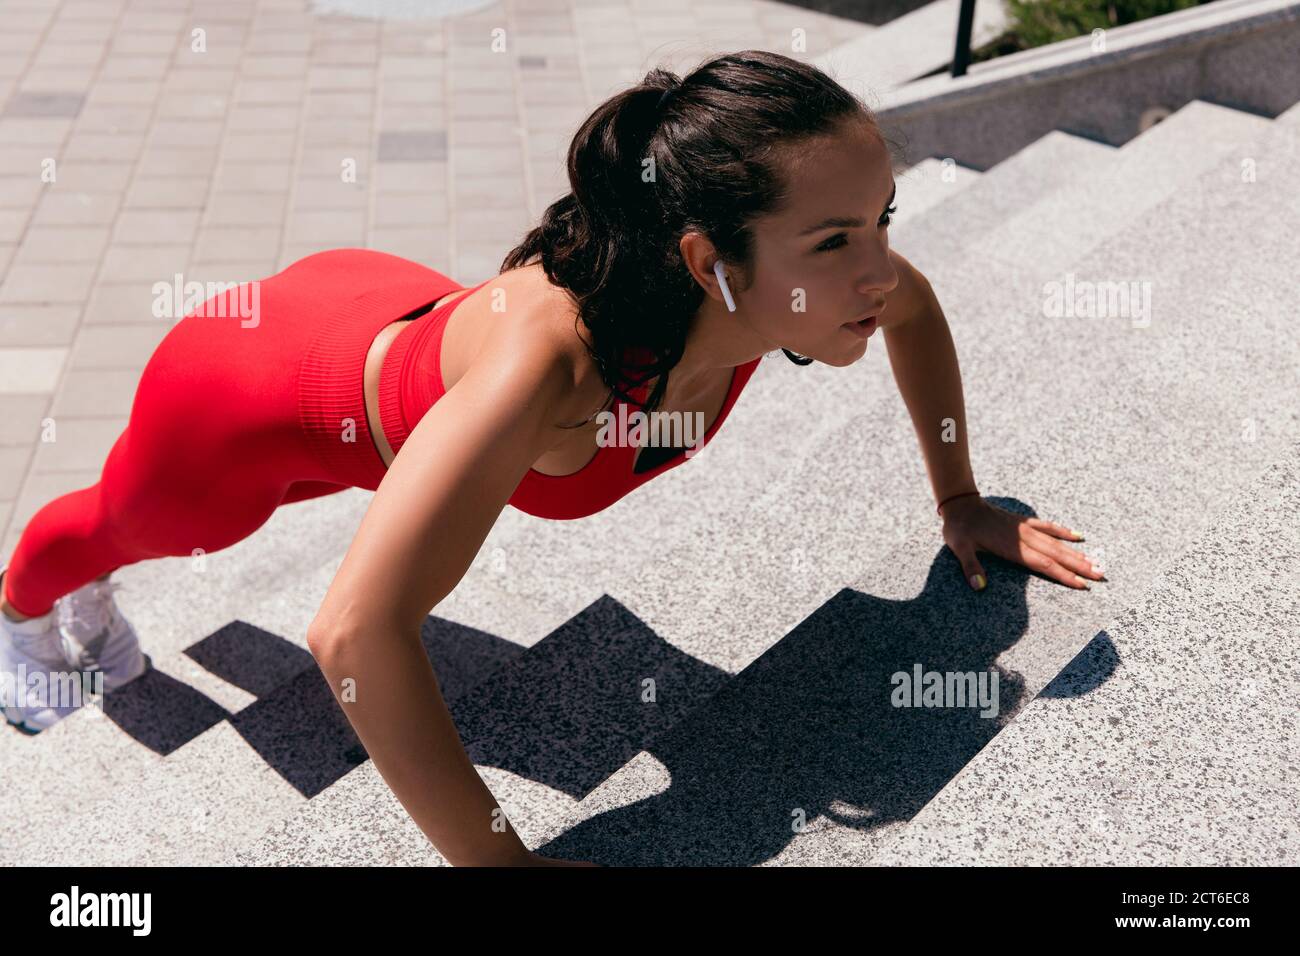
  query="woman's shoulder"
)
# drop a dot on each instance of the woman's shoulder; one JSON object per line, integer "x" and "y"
{"x": 546, "y": 332}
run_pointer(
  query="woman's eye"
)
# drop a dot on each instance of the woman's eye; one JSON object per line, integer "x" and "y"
{"x": 838, "y": 239}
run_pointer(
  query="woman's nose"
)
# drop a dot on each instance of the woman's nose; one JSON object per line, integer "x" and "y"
{"x": 879, "y": 275}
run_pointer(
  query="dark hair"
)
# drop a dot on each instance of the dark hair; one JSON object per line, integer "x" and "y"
{"x": 712, "y": 160}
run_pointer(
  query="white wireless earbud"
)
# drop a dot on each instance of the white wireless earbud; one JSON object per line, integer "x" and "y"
{"x": 722, "y": 281}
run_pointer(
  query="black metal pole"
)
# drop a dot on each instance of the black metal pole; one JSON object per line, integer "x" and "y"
{"x": 961, "y": 56}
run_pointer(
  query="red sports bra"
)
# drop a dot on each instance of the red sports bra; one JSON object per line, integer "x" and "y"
{"x": 411, "y": 381}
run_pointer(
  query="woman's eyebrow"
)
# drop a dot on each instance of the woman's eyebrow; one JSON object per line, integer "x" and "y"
{"x": 846, "y": 222}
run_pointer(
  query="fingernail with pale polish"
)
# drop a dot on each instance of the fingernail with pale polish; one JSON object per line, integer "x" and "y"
{"x": 977, "y": 582}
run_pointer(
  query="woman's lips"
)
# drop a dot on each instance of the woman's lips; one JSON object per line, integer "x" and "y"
{"x": 864, "y": 328}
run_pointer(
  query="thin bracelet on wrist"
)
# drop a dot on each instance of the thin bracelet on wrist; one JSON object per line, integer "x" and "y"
{"x": 939, "y": 509}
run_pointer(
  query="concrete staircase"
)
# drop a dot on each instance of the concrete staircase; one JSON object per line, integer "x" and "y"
{"x": 800, "y": 551}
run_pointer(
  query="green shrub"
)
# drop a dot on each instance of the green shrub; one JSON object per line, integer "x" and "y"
{"x": 1034, "y": 23}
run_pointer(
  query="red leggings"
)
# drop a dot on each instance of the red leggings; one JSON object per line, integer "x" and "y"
{"x": 233, "y": 417}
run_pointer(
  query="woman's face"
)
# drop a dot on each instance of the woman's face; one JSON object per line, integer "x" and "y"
{"x": 823, "y": 263}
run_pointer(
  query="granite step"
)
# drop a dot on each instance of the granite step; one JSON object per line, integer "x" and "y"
{"x": 1170, "y": 739}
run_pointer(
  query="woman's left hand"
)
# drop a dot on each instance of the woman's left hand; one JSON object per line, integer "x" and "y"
{"x": 971, "y": 524}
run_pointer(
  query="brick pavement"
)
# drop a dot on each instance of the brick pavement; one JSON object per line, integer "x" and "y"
{"x": 212, "y": 138}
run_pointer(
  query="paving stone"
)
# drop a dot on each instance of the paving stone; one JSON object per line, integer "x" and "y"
{"x": 29, "y": 103}
{"x": 27, "y": 324}
{"x": 412, "y": 146}
{"x": 48, "y": 282}
{"x": 30, "y": 370}
{"x": 80, "y": 443}
{"x": 94, "y": 392}
{"x": 120, "y": 346}
{"x": 55, "y": 244}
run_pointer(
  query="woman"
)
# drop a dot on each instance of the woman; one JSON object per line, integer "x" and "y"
{"x": 712, "y": 220}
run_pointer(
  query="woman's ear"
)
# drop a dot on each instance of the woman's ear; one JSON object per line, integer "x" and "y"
{"x": 701, "y": 258}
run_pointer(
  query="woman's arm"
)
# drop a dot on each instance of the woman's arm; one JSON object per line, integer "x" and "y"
{"x": 428, "y": 520}
{"x": 924, "y": 361}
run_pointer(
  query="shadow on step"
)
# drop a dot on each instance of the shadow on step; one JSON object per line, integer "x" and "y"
{"x": 295, "y": 724}
{"x": 811, "y": 730}
{"x": 819, "y": 727}
{"x": 567, "y": 712}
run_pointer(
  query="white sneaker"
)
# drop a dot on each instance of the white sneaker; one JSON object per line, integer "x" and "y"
{"x": 27, "y": 648}
{"x": 96, "y": 637}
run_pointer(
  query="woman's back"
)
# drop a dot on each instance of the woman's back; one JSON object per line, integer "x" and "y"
{"x": 574, "y": 479}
